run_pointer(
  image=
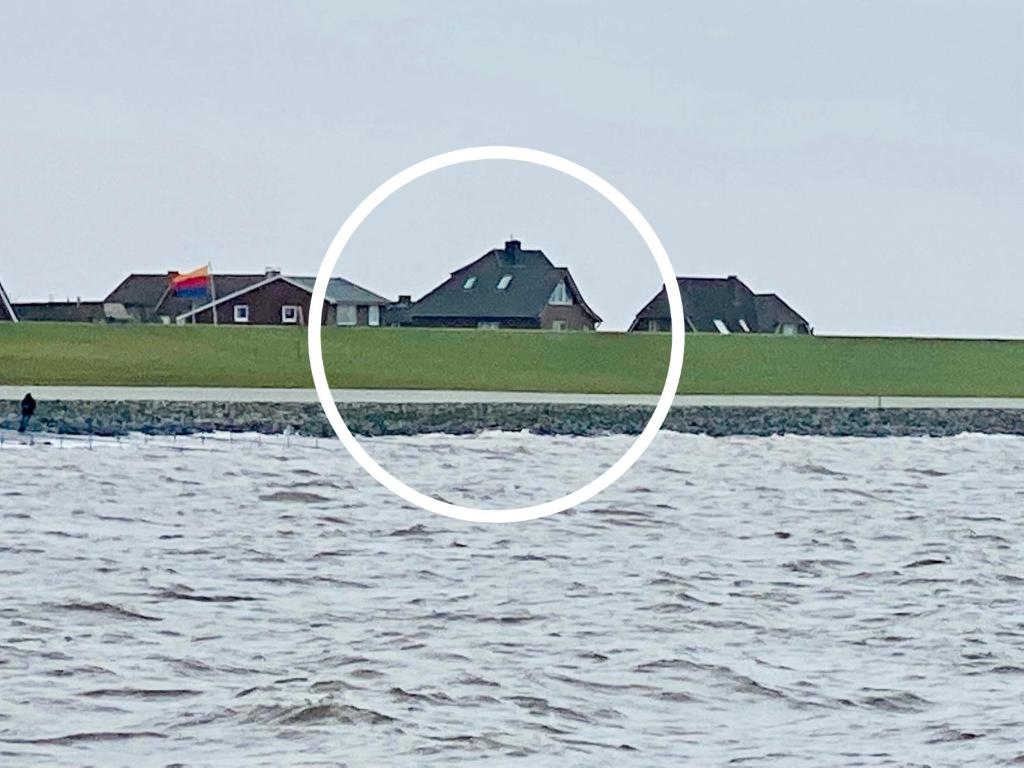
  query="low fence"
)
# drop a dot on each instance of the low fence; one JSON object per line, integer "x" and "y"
{"x": 13, "y": 440}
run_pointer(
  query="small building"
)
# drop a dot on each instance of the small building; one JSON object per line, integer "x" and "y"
{"x": 505, "y": 288}
{"x": 278, "y": 299}
{"x": 722, "y": 305}
{"x": 60, "y": 311}
{"x": 7, "y": 313}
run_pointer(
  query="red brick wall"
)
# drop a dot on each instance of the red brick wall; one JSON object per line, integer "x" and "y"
{"x": 265, "y": 306}
{"x": 574, "y": 315}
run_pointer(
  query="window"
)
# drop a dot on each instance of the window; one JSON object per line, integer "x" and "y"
{"x": 652, "y": 325}
{"x": 560, "y": 295}
{"x": 373, "y": 318}
{"x": 559, "y": 325}
{"x": 241, "y": 313}
{"x": 470, "y": 282}
{"x": 490, "y": 326}
{"x": 722, "y": 327}
{"x": 290, "y": 313}
{"x": 789, "y": 329}
{"x": 503, "y": 283}
{"x": 346, "y": 314}
{"x": 744, "y": 326}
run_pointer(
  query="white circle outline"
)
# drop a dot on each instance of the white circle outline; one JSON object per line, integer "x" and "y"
{"x": 609, "y": 193}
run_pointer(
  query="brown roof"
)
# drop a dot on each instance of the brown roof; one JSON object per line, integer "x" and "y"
{"x": 139, "y": 290}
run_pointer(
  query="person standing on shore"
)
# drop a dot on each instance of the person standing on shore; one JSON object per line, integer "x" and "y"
{"x": 28, "y": 407}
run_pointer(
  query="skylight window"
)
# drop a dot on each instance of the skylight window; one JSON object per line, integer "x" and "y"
{"x": 503, "y": 283}
{"x": 470, "y": 282}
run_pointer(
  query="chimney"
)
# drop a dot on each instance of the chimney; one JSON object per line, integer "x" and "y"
{"x": 404, "y": 299}
{"x": 511, "y": 253}
{"x": 272, "y": 271}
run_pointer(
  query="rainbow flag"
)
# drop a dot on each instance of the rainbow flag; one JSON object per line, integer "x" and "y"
{"x": 191, "y": 285}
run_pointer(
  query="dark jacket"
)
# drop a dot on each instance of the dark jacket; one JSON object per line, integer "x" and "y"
{"x": 28, "y": 406}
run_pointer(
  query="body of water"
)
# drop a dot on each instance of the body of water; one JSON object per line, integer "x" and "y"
{"x": 742, "y": 601}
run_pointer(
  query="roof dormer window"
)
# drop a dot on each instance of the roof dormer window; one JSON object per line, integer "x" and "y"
{"x": 470, "y": 282}
{"x": 503, "y": 283}
{"x": 560, "y": 296}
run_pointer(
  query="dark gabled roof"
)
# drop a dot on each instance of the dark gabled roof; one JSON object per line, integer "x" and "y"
{"x": 533, "y": 279}
{"x": 6, "y": 309}
{"x": 341, "y": 291}
{"x": 706, "y": 299}
{"x": 61, "y": 311}
{"x": 139, "y": 290}
{"x": 772, "y": 312}
{"x": 223, "y": 285}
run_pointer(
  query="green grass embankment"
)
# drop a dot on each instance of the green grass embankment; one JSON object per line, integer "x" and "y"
{"x": 403, "y": 358}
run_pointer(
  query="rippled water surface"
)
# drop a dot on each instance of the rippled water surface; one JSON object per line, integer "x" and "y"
{"x": 784, "y": 601}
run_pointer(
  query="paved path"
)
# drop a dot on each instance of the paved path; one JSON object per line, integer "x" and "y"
{"x": 254, "y": 395}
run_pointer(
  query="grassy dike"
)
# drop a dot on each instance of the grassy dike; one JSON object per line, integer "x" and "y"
{"x": 402, "y": 358}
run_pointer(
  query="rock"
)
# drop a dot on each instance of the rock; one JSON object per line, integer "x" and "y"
{"x": 176, "y": 418}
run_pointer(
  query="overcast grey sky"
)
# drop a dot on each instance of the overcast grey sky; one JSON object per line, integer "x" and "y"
{"x": 865, "y": 160}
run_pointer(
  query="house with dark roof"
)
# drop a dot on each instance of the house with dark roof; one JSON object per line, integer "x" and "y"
{"x": 508, "y": 287}
{"x": 268, "y": 298}
{"x": 277, "y": 299}
{"x": 7, "y": 313}
{"x": 722, "y": 305}
{"x": 147, "y": 298}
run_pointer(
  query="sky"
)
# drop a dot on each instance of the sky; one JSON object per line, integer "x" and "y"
{"x": 865, "y": 160}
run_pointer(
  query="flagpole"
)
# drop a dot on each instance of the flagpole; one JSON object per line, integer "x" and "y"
{"x": 213, "y": 291}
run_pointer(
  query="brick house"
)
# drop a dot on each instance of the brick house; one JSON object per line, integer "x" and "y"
{"x": 505, "y": 288}
{"x": 279, "y": 299}
{"x": 269, "y": 298}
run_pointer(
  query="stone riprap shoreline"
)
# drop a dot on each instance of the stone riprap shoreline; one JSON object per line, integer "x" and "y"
{"x": 155, "y": 417}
